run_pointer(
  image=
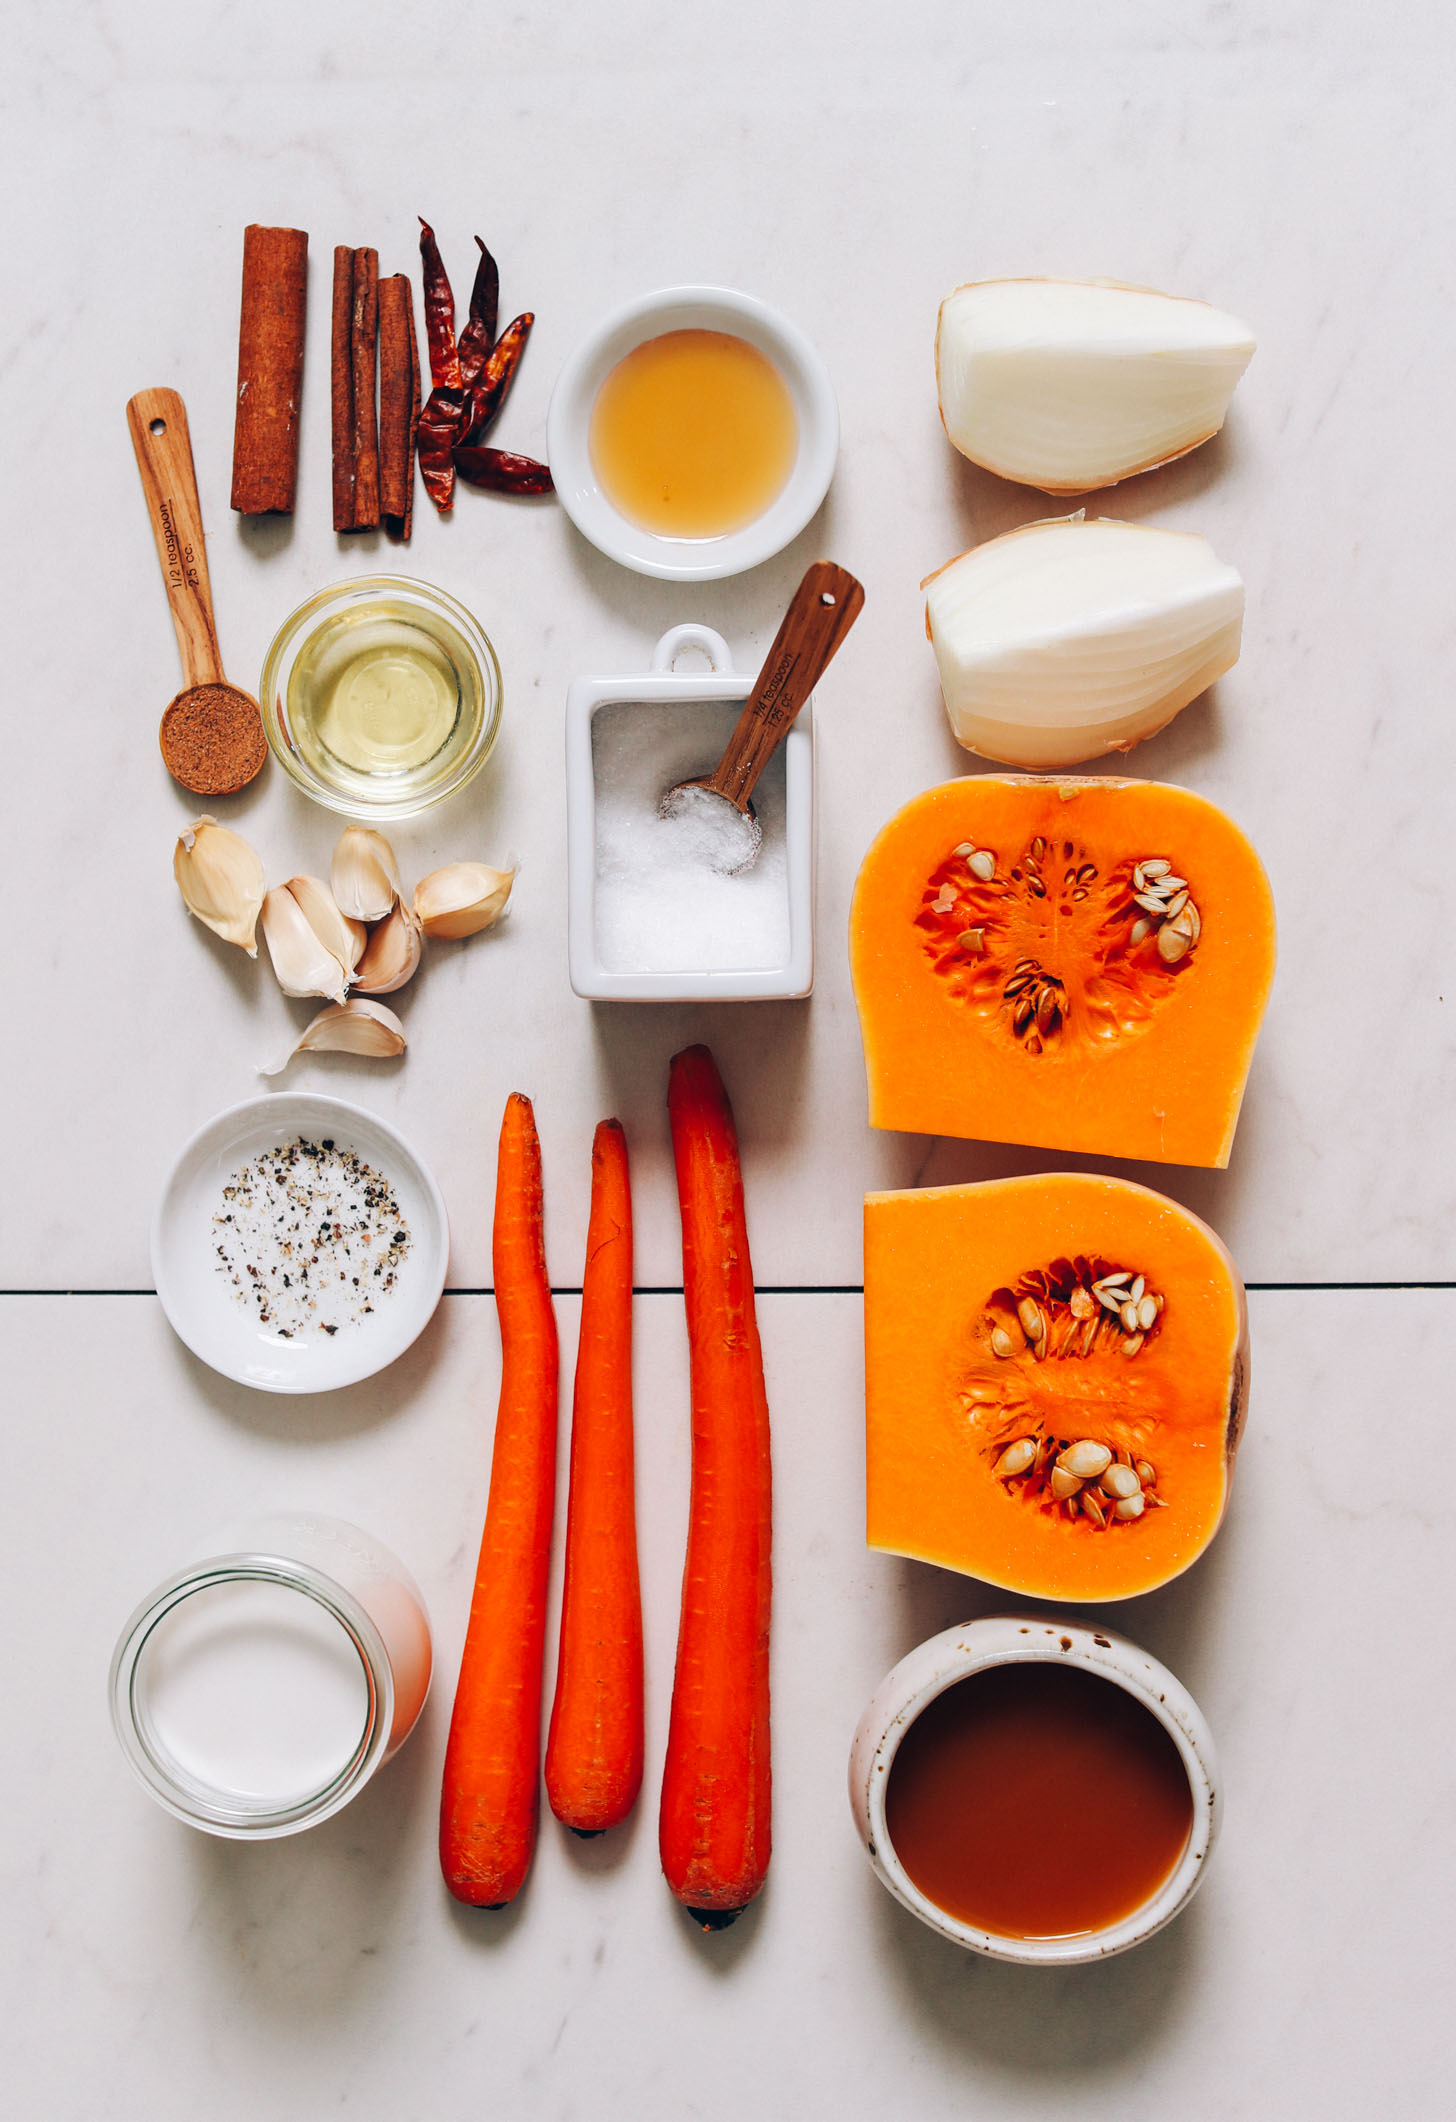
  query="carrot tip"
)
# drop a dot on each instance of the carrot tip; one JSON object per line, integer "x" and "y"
{"x": 714, "y": 1918}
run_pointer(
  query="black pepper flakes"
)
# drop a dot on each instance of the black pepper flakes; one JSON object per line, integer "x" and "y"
{"x": 337, "y": 1214}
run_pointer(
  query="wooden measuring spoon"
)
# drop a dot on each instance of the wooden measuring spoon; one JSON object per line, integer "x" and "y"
{"x": 211, "y": 735}
{"x": 824, "y": 608}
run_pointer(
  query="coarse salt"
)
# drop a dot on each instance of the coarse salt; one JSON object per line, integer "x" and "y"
{"x": 309, "y": 1237}
{"x": 665, "y": 901}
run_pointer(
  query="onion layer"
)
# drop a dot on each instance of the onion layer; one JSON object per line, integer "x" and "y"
{"x": 1067, "y": 639}
{"x": 1074, "y": 384}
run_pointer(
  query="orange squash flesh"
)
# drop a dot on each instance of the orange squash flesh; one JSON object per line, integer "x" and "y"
{"x": 948, "y": 1270}
{"x": 1029, "y": 1006}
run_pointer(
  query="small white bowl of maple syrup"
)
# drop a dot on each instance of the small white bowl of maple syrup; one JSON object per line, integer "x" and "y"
{"x": 1036, "y": 1790}
{"x": 693, "y": 433}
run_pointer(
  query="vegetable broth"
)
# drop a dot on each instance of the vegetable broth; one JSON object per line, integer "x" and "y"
{"x": 1038, "y": 1800}
{"x": 693, "y": 434}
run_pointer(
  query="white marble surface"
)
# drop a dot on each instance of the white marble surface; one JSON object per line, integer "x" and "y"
{"x": 157, "y": 1973}
{"x": 1282, "y": 160}
{"x": 1291, "y": 160}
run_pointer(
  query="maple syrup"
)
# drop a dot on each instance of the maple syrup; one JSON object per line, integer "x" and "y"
{"x": 693, "y": 434}
{"x": 1038, "y": 1800}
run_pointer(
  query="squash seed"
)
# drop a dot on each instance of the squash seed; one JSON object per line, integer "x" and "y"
{"x": 1088, "y": 1500}
{"x": 1147, "y": 1313}
{"x": 972, "y": 939}
{"x": 1033, "y": 1319}
{"x": 1001, "y": 1342}
{"x": 1120, "y": 1481}
{"x": 1129, "y": 1506}
{"x": 1140, "y": 928}
{"x": 1173, "y": 945}
{"x": 1129, "y": 1316}
{"x": 983, "y": 864}
{"x": 967, "y": 847}
{"x": 1132, "y": 1344}
{"x": 1154, "y": 866}
{"x": 1063, "y": 1484}
{"x": 1080, "y": 1303}
{"x": 1085, "y": 1459}
{"x": 1145, "y": 1473}
{"x": 1016, "y": 1459}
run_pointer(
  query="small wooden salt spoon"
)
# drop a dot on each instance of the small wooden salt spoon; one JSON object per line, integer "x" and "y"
{"x": 211, "y": 735}
{"x": 824, "y": 608}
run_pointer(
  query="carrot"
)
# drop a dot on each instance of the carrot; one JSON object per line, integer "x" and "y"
{"x": 489, "y": 1802}
{"x": 594, "y": 1747}
{"x": 714, "y": 1826}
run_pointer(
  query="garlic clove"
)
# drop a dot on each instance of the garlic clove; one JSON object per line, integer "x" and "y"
{"x": 463, "y": 898}
{"x": 302, "y": 962}
{"x": 352, "y": 1027}
{"x": 1074, "y": 384}
{"x": 392, "y": 953}
{"x": 1067, "y": 639}
{"x": 343, "y": 939}
{"x": 363, "y": 875}
{"x": 221, "y": 881}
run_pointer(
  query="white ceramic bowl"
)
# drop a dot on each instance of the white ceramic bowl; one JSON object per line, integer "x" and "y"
{"x": 568, "y": 424}
{"x": 197, "y": 1299}
{"x": 597, "y": 982}
{"x": 1006, "y": 1639}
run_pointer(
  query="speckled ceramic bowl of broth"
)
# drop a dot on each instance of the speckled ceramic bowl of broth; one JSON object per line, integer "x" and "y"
{"x": 1036, "y": 1790}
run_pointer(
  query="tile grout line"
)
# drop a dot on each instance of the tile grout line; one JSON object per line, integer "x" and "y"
{"x": 762, "y": 1289}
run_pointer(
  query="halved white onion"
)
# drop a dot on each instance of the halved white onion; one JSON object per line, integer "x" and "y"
{"x": 1074, "y": 384}
{"x": 1067, "y": 639}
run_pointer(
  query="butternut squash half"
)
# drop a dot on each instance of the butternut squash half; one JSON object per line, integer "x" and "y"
{"x": 1056, "y": 1378}
{"x": 1080, "y": 963}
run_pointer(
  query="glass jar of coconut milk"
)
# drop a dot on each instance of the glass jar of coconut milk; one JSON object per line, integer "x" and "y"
{"x": 258, "y": 1689}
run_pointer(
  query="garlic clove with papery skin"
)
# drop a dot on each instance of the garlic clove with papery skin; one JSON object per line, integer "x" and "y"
{"x": 221, "y": 881}
{"x": 463, "y": 898}
{"x": 1067, "y": 639}
{"x": 1069, "y": 385}
{"x": 392, "y": 954}
{"x": 352, "y": 1027}
{"x": 302, "y": 961}
{"x": 363, "y": 874}
{"x": 343, "y": 939}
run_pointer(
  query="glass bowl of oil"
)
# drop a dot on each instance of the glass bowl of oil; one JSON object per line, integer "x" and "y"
{"x": 381, "y": 696}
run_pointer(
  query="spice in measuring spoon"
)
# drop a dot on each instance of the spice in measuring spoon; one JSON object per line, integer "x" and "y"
{"x": 824, "y": 608}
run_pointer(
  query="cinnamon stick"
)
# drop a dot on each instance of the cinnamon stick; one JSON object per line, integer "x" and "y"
{"x": 355, "y": 423}
{"x": 399, "y": 403}
{"x": 341, "y": 376}
{"x": 366, "y": 419}
{"x": 270, "y": 370}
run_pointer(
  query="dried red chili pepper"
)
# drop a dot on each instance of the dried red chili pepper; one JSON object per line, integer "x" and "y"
{"x": 489, "y": 393}
{"x": 501, "y": 471}
{"x": 471, "y": 379}
{"x": 439, "y": 314}
{"x": 478, "y": 337}
{"x": 435, "y": 436}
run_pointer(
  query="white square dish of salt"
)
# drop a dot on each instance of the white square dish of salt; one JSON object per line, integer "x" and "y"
{"x": 679, "y": 905}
